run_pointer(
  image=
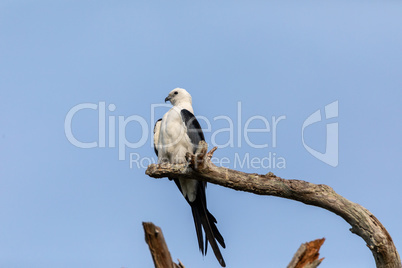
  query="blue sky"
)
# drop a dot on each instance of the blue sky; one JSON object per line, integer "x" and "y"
{"x": 64, "y": 206}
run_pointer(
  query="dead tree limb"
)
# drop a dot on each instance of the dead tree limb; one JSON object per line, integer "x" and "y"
{"x": 307, "y": 255}
{"x": 157, "y": 245}
{"x": 363, "y": 222}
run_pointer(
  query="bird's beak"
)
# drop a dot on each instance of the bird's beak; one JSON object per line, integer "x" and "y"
{"x": 167, "y": 98}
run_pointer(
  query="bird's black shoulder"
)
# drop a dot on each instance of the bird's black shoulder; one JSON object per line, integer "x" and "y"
{"x": 156, "y": 123}
{"x": 194, "y": 130}
{"x": 156, "y": 134}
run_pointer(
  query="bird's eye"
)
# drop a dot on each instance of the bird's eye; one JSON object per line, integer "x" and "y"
{"x": 176, "y": 92}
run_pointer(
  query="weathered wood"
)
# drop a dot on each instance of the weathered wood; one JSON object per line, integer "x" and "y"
{"x": 363, "y": 222}
{"x": 307, "y": 255}
{"x": 158, "y": 248}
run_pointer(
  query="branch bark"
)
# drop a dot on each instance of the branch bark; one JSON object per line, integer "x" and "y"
{"x": 157, "y": 245}
{"x": 307, "y": 255}
{"x": 363, "y": 222}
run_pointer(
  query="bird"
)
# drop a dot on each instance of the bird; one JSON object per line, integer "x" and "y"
{"x": 175, "y": 134}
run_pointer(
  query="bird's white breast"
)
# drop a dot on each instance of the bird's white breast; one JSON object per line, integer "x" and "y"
{"x": 174, "y": 142}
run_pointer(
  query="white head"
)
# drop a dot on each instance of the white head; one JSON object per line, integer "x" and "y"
{"x": 179, "y": 96}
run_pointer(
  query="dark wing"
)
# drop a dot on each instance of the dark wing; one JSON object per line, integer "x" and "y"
{"x": 202, "y": 217}
{"x": 157, "y": 129}
{"x": 194, "y": 130}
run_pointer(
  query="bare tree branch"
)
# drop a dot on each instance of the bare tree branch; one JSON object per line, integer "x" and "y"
{"x": 307, "y": 255}
{"x": 363, "y": 222}
{"x": 157, "y": 245}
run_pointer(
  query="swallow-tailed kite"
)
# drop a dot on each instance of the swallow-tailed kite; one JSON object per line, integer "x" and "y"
{"x": 177, "y": 133}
